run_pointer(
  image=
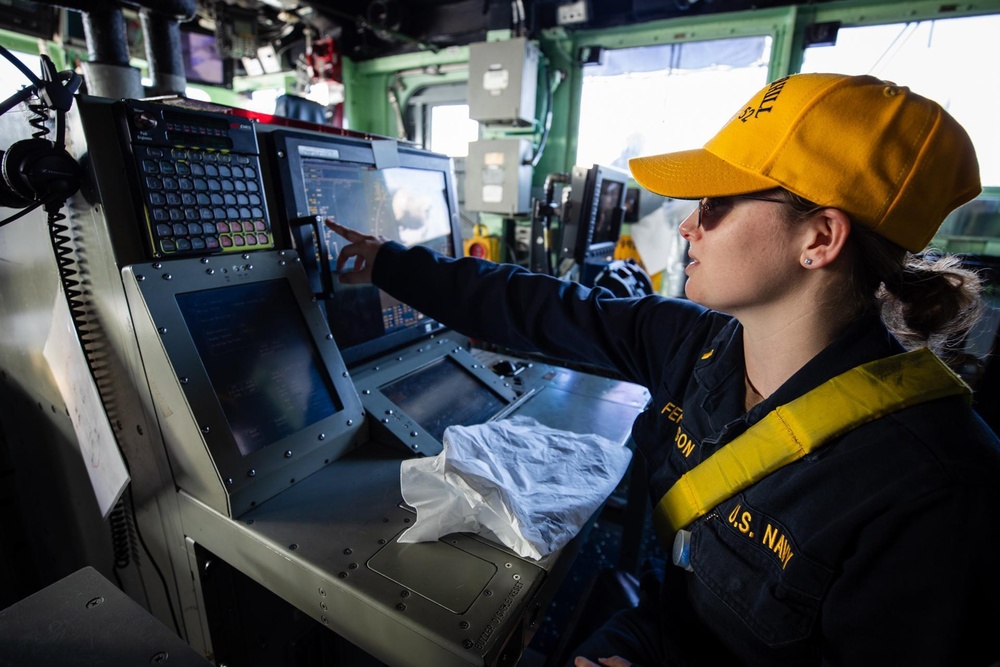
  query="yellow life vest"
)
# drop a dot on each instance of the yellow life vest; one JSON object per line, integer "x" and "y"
{"x": 791, "y": 431}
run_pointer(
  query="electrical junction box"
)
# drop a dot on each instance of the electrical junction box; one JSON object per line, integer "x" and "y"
{"x": 503, "y": 82}
{"x": 572, "y": 13}
{"x": 498, "y": 176}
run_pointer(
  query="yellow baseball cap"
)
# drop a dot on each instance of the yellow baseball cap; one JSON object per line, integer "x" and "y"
{"x": 894, "y": 161}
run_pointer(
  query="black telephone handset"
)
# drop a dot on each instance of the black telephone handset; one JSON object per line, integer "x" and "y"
{"x": 200, "y": 180}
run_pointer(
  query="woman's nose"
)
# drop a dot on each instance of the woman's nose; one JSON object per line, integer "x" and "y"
{"x": 689, "y": 225}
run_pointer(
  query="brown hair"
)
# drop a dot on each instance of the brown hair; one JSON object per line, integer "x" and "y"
{"x": 925, "y": 299}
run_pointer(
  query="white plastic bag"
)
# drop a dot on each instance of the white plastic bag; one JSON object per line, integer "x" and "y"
{"x": 526, "y": 485}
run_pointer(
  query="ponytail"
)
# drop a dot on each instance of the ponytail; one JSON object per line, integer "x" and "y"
{"x": 925, "y": 299}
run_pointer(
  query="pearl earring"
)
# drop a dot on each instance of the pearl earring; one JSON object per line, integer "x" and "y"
{"x": 808, "y": 261}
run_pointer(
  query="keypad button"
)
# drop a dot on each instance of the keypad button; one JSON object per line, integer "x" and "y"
{"x": 150, "y": 167}
{"x": 217, "y": 199}
{"x": 160, "y": 214}
{"x": 247, "y": 226}
{"x": 169, "y": 183}
{"x": 163, "y": 230}
{"x": 180, "y": 229}
{"x": 209, "y": 227}
{"x": 154, "y": 152}
{"x": 197, "y": 169}
{"x": 200, "y": 184}
{"x": 191, "y": 214}
{"x": 188, "y": 199}
{"x": 182, "y": 168}
{"x": 262, "y": 239}
{"x": 205, "y": 213}
{"x": 251, "y": 239}
{"x": 219, "y": 213}
{"x": 176, "y": 214}
{"x": 238, "y": 240}
{"x": 230, "y": 199}
{"x": 250, "y": 172}
{"x": 214, "y": 185}
{"x": 157, "y": 199}
{"x": 222, "y": 227}
{"x": 227, "y": 185}
{"x": 167, "y": 167}
{"x": 260, "y": 225}
{"x": 242, "y": 200}
{"x": 154, "y": 183}
{"x": 254, "y": 200}
{"x": 238, "y": 172}
{"x": 183, "y": 244}
{"x": 168, "y": 245}
{"x": 226, "y": 241}
{"x": 174, "y": 199}
{"x": 225, "y": 171}
{"x": 240, "y": 186}
{"x": 211, "y": 170}
{"x": 211, "y": 242}
{"x": 232, "y": 213}
{"x": 252, "y": 186}
{"x": 185, "y": 183}
{"x": 194, "y": 229}
{"x": 198, "y": 243}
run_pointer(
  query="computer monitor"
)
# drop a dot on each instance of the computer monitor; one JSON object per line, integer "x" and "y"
{"x": 375, "y": 186}
{"x": 593, "y": 214}
{"x": 203, "y": 61}
{"x": 252, "y": 362}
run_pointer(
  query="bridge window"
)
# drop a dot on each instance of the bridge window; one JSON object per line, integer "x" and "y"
{"x": 11, "y": 78}
{"x": 667, "y": 97}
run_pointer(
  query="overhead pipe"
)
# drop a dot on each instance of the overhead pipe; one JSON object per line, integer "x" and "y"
{"x": 108, "y": 72}
{"x": 162, "y": 31}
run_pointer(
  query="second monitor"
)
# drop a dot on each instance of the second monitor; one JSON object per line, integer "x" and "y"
{"x": 375, "y": 187}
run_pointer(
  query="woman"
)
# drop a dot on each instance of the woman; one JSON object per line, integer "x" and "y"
{"x": 871, "y": 544}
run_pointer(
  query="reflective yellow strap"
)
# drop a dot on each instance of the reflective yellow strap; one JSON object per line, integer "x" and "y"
{"x": 791, "y": 431}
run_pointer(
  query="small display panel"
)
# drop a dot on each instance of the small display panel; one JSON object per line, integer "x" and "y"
{"x": 607, "y": 225}
{"x": 260, "y": 359}
{"x": 203, "y": 63}
{"x": 443, "y": 394}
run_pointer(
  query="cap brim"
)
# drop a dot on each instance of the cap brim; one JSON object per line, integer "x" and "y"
{"x": 695, "y": 174}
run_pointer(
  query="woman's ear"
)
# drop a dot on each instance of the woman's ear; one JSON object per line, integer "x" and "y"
{"x": 826, "y": 233}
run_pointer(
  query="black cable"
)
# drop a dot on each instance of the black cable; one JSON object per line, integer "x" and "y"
{"x": 23, "y": 212}
{"x": 163, "y": 580}
{"x": 55, "y": 91}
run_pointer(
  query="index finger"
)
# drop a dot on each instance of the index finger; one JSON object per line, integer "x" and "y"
{"x": 348, "y": 233}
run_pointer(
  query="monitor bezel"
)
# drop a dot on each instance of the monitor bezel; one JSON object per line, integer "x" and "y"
{"x": 391, "y": 423}
{"x": 286, "y": 150}
{"x": 596, "y": 178}
{"x": 252, "y": 478}
{"x": 581, "y": 214}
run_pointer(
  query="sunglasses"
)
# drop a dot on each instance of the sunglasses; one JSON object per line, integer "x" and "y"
{"x": 711, "y": 210}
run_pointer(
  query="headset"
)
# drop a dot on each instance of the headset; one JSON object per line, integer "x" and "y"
{"x": 37, "y": 171}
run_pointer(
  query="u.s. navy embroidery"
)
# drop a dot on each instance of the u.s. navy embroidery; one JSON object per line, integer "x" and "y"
{"x": 772, "y": 536}
{"x": 767, "y": 103}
